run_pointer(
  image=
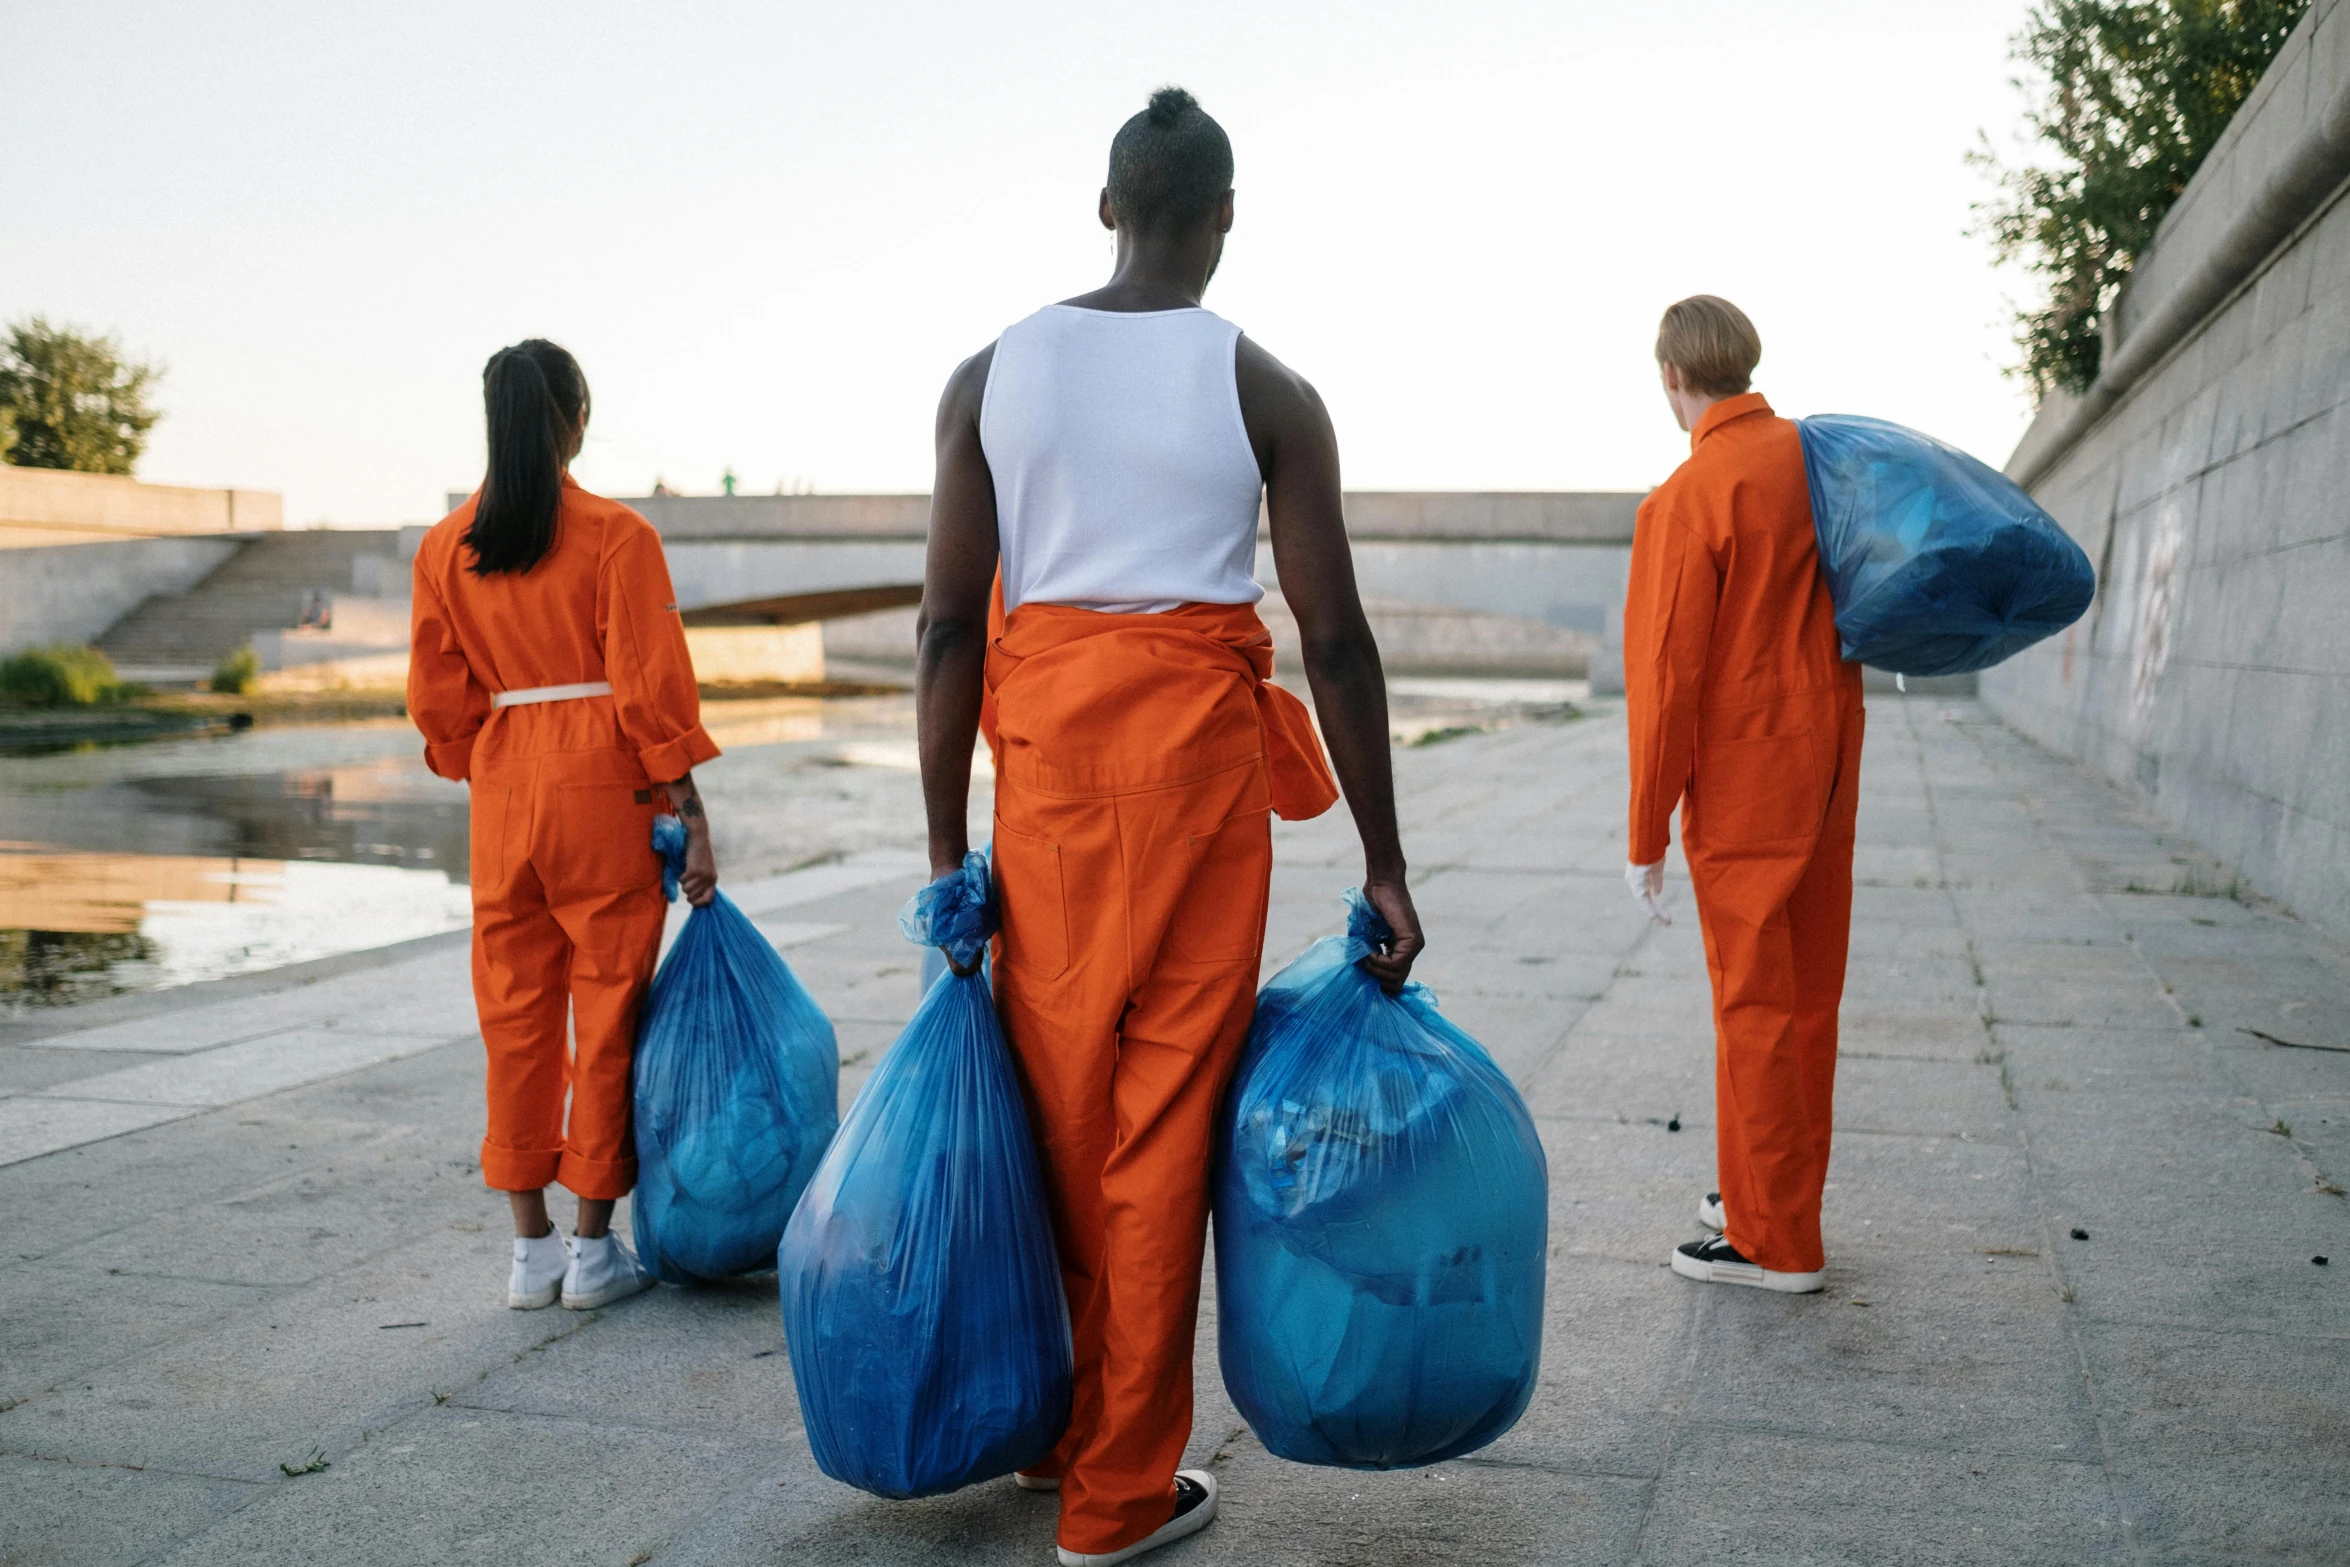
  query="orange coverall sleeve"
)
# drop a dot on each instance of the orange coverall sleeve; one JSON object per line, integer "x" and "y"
{"x": 645, "y": 658}
{"x": 448, "y": 705}
{"x": 1669, "y": 601}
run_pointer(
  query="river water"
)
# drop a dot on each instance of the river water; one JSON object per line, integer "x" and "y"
{"x": 133, "y": 867}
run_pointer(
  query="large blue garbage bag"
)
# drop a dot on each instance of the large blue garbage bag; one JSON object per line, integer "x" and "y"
{"x": 922, "y": 1298}
{"x": 1937, "y": 563}
{"x": 1382, "y": 1218}
{"x": 737, "y": 1094}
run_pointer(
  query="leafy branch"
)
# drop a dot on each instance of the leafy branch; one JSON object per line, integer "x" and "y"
{"x": 2127, "y": 99}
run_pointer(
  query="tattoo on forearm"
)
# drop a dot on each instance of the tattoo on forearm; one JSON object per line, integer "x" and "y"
{"x": 690, "y": 807}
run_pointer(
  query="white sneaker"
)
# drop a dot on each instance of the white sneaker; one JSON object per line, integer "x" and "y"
{"x": 602, "y": 1271}
{"x": 1195, "y": 1509}
{"x": 1029, "y": 1482}
{"x": 1709, "y": 1213}
{"x": 1716, "y": 1261}
{"x": 537, "y": 1277}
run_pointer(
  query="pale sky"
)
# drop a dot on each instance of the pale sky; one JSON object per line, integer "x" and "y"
{"x": 769, "y": 232}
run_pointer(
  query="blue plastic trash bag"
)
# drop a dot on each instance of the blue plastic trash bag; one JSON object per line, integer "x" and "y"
{"x": 737, "y": 1094}
{"x": 921, "y": 1293}
{"x": 1937, "y": 563}
{"x": 1382, "y": 1220}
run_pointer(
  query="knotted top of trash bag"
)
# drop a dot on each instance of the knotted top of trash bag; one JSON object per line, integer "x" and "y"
{"x": 956, "y": 912}
{"x": 669, "y": 843}
{"x": 1367, "y": 929}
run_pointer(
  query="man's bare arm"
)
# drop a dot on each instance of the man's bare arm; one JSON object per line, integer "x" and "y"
{"x": 950, "y": 658}
{"x": 1297, "y": 450}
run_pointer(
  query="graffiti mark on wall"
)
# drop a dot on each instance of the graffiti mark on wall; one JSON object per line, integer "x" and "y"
{"x": 2158, "y": 593}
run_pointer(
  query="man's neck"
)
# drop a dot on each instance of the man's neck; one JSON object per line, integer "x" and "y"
{"x": 1157, "y": 273}
{"x": 1690, "y": 407}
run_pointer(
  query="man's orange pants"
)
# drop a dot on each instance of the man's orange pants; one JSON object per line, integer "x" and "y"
{"x": 1133, "y": 855}
{"x": 567, "y": 914}
{"x": 1777, "y": 923}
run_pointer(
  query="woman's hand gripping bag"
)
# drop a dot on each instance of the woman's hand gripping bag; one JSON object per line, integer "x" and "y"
{"x": 1382, "y": 1219}
{"x": 922, "y": 1298}
{"x": 1937, "y": 564}
{"x": 737, "y": 1093}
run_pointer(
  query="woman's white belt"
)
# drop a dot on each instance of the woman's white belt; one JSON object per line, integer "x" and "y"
{"x": 571, "y": 693}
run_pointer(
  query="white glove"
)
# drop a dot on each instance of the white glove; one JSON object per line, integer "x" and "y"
{"x": 1648, "y": 889}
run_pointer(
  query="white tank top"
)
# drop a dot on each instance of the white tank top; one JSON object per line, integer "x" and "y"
{"x": 1124, "y": 478}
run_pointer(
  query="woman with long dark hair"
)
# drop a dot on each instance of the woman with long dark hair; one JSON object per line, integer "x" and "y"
{"x": 548, "y": 669}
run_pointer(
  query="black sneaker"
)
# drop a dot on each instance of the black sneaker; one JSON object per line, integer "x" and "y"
{"x": 1709, "y": 1213}
{"x": 1716, "y": 1261}
{"x": 1195, "y": 1509}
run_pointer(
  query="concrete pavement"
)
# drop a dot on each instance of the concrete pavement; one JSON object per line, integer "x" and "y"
{"x": 2094, "y": 1121}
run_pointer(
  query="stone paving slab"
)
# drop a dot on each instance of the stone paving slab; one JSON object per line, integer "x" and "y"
{"x": 24, "y": 1071}
{"x": 1812, "y": 1499}
{"x": 89, "y": 1515}
{"x": 2030, "y": 1047}
{"x": 493, "y": 1487}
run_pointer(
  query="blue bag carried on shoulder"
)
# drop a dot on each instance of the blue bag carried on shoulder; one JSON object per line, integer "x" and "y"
{"x": 1382, "y": 1222}
{"x": 737, "y": 1093}
{"x": 1937, "y": 563}
{"x": 922, "y": 1298}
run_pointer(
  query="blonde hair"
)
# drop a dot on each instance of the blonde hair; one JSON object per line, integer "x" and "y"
{"x": 1713, "y": 345}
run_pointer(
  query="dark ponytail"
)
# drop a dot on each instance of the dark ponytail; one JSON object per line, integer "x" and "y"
{"x": 537, "y": 402}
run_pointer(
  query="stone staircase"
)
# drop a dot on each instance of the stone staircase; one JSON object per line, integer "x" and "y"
{"x": 181, "y": 636}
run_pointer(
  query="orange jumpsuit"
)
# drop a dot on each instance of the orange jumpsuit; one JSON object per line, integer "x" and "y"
{"x": 1139, "y": 759}
{"x": 567, "y": 904}
{"x": 1743, "y": 712}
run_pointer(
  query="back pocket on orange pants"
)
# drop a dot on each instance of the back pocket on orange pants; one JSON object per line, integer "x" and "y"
{"x": 1221, "y": 915}
{"x": 600, "y": 839}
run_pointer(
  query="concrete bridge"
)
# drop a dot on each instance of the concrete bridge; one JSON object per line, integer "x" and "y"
{"x": 1515, "y": 583}
{"x": 1457, "y": 584}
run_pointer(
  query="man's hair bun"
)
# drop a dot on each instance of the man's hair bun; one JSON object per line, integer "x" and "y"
{"x": 1168, "y": 104}
{"x": 1169, "y": 165}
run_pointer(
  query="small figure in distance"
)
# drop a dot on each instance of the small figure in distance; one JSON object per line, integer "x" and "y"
{"x": 1743, "y": 712}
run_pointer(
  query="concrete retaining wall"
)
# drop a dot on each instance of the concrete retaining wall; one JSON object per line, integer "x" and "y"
{"x": 44, "y": 506}
{"x": 73, "y": 592}
{"x": 1414, "y": 639}
{"x": 363, "y": 628}
{"x": 1567, "y": 585}
{"x": 2208, "y": 476}
{"x": 708, "y": 571}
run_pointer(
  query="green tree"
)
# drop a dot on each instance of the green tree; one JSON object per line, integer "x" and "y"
{"x": 2128, "y": 96}
{"x": 75, "y": 400}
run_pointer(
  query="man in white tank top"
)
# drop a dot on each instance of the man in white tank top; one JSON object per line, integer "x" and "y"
{"x": 1107, "y": 456}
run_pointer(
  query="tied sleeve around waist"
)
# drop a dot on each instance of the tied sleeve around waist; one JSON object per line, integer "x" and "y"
{"x": 1294, "y": 764}
{"x": 1297, "y": 772}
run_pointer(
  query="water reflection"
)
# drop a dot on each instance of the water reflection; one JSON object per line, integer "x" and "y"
{"x": 74, "y": 927}
{"x": 384, "y": 812}
{"x": 132, "y": 868}
{"x": 136, "y": 870}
